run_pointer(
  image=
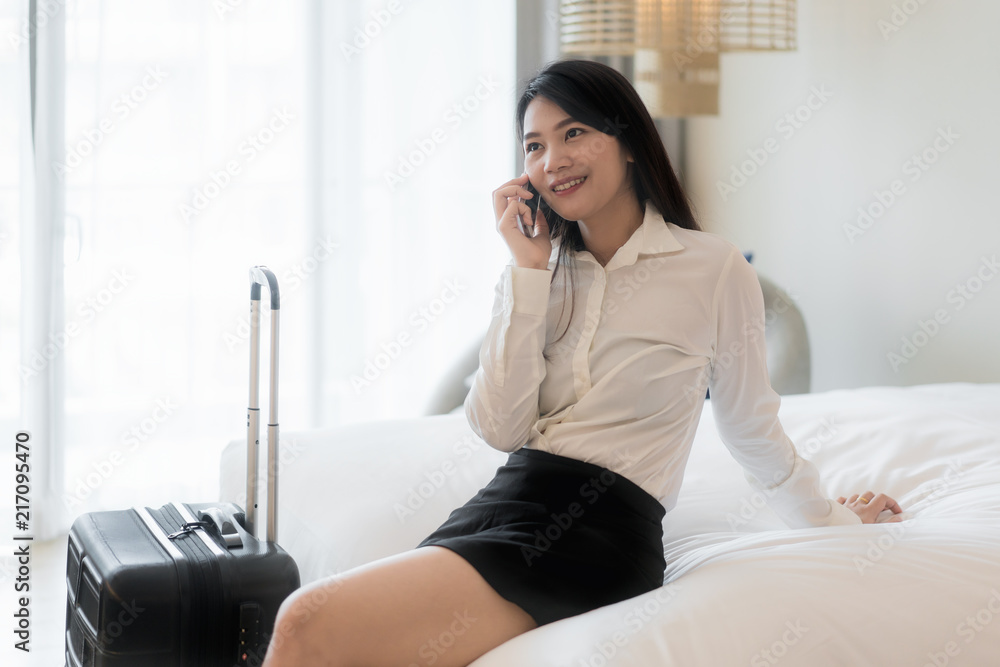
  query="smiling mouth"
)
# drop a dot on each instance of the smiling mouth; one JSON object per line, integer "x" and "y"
{"x": 569, "y": 186}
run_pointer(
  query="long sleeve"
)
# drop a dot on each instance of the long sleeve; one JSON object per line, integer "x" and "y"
{"x": 502, "y": 403}
{"x": 745, "y": 407}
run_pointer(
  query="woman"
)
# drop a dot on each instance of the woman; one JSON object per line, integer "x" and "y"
{"x": 598, "y": 417}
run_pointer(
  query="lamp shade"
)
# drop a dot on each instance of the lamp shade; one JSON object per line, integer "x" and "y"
{"x": 675, "y": 43}
{"x": 757, "y": 25}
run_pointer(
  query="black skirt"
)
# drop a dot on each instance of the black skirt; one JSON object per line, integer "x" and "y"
{"x": 558, "y": 536}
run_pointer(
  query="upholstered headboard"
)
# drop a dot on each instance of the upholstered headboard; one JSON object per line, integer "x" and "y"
{"x": 788, "y": 360}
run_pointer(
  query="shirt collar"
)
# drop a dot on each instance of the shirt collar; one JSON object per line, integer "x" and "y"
{"x": 651, "y": 238}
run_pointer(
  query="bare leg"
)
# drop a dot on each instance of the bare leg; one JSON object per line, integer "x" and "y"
{"x": 421, "y": 607}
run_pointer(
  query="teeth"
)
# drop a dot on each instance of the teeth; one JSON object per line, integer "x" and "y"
{"x": 566, "y": 186}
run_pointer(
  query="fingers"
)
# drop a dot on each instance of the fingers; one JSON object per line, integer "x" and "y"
{"x": 509, "y": 217}
{"x": 879, "y": 500}
{"x": 893, "y": 505}
{"x": 869, "y": 506}
{"x": 517, "y": 220}
{"x": 512, "y": 188}
{"x": 883, "y": 501}
{"x": 541, "y": 224}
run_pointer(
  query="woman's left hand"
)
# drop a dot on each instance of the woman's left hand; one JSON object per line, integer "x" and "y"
{"x": 869, "y": 505}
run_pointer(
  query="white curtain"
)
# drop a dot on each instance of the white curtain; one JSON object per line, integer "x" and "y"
{"x": 422, "y": 106}
{"x": 33, "y": 268}
{"x": 350, "y": 146}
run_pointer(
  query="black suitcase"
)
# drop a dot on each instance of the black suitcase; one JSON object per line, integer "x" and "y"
{"x": 186, "y": 585}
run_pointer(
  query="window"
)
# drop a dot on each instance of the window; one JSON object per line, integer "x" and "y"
{"x": 351, "y": 146}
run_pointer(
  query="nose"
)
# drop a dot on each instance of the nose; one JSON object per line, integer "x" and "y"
{"x": 557, "y": 159}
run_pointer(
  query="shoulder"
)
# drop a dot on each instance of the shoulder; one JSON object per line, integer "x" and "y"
{"x": 720, "y": 266}
{"x": 700, "y": 239}
{"x": 707, "y": 248}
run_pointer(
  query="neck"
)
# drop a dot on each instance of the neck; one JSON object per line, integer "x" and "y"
{"x": 608, "y": 229}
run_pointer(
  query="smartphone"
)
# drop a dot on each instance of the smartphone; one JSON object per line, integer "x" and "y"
{"x": 527, "y": 226}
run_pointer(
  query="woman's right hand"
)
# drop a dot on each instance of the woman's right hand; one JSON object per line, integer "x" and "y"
{"x": 527, "y": 252}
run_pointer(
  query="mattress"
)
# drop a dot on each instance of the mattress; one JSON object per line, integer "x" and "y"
{"x": 739, "y": 587}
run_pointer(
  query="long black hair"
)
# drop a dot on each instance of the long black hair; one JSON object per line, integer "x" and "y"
{"x": 600, "y": 96}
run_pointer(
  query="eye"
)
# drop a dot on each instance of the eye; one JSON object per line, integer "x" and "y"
{"x": 572, "y": 129}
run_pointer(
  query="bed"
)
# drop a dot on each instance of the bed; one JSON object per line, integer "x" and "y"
{"x": 739, "y": 588}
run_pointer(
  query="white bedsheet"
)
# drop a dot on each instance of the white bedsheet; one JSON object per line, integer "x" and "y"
{"x": 740, "y": 588}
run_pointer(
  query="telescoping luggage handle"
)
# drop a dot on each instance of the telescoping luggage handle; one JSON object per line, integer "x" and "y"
{"x": 261, "y": 275}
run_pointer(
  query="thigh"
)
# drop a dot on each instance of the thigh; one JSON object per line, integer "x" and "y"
{"x": 427, "y": 606}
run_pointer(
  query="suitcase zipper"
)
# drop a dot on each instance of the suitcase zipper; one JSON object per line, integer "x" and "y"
{"x": 179, "y": 559}
{"x": 206, "y": 591}
{"x": 188, "y": 527}
{"x": 228, "y": 621}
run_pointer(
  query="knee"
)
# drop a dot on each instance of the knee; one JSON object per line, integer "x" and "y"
{"x": 305, "y": 630}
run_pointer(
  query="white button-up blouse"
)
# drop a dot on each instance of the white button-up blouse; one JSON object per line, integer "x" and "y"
{"x": 673, "y": 313}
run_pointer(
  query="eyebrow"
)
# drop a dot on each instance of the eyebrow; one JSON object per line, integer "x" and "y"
{"x": 564, "y": 122}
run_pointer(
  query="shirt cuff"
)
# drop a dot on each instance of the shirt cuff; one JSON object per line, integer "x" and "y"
{"x": 841, "y": 515}
{"x": 530, "y": 289}
{"x": 798, "y": 503}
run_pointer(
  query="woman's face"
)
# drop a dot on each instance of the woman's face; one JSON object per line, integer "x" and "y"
{"x": 557, "y": 148}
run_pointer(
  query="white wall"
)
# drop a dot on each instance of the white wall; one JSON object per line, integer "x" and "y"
{"x": 890, "y": 95}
